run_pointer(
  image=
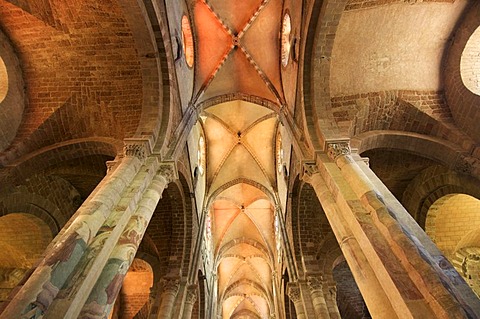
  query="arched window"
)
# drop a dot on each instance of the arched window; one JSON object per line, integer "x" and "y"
{"x": 187, "y": 41}
{"x": 201, "y": 155}
{"x": 453, "y": 223}
{"x": 286, "y": 41}
{"x": 3, "y": 80}
{"x": 470, "y": 63}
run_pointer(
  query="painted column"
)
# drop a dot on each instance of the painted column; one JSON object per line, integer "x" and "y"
{"x": 101, "y": 299}
{"x": 190, "y": 298}
{"x": 170, "y": 287}
{"x": 391, "y": 268}
{"x": 293, "y": 292}
{"x": 315, "y": 285}
{"x": 351, "y": 249}
{"x": 61, "y": 258}
{"x": 419, "y": 277}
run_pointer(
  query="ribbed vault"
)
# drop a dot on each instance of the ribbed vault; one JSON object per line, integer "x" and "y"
{"x": 239, "y": 56}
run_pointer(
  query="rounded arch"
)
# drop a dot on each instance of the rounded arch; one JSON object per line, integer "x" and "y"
{"x": 432, "y": 184}
{"x": 23, "y": 240}
{"x": 391, "y": 112}
{"x": 323, "y": 21}
{"x": 156, "y": 122}
{"x": 135, "y": 292}
{"x": 245, "y": 313}
{"x": 170, "y": 231}
{"x": 469, "y": 68}
{"x": 12, "y": 92}
{"x": 26, "y": 166}
{"x": 310, "y": 228}
{"x": 221, "y": 253}
{"x": 153, "y": 91}
{"x": 240, "y": 97}
{"x": 444, "y": 152}
{"x": 213, "y": 196}
{"x": 189, "y": 213}
{"x": 262, "y": 292}
{"x": 452, "y": 222}
{"x": 35, "y": 205}
{"x": 24, "y": 234}
{"x": 464, "y": 104}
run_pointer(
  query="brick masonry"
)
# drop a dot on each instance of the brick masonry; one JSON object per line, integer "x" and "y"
{"x": 93, "y": 88}
{"x": 364, "y": 4}
{"x": 450, "y": 219}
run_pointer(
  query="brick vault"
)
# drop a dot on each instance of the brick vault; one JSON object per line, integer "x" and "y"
{"x": 239, "y": 159}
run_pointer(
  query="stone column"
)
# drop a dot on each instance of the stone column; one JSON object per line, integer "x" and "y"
{"x": 170, "y": 288}
{"x": 107, "y": 287}
{"x": 190, "y": 298}
{"x": 351, "y": 249}
{"x": 275, "y": 312}
{"x": 61, "y": 258}
{"x": 315, "y": 285}
{"x": 293, "y": 292}
{"x": 391, "y": 268}
{"x": 214, "y": 309}
{"x": 331, "y": 301}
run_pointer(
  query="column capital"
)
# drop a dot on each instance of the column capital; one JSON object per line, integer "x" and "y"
{"x": 309, "y": 169}
{"x": 333, "y": 291}
{"x": 338, "y": 148}
{"x": 111, "y": 165}
{"x": 191, "y": 294}
{"x": 466, "y": 164}
{"x": 170, "y": 285}
{"x": 293, "y": 292}
{"x": 137, "y": 147}
{"x": 315, "y": 283}
{"x": 168, "y": 170}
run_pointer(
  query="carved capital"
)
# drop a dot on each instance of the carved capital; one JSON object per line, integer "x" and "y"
{"x": 309, "y": 169}
{"x": 137, "y": 147}
{"x": 191, "y": 295}
{"x": 466, "y": 164}
{"x": 338, "y": 148}
{"x": 135, "y": 150}
{"x": 168, "y": 171}
{"x": 333, "y": 292}
{"x": 293, "y": 292}
{"x": 170, "y": 285}
{"x": 315, "y": 283}
{"x": 112, "y": 165}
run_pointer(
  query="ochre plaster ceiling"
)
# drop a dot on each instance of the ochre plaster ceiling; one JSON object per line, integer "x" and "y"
{"x": 238, "y": 49}
{"x": 238, "y": 55}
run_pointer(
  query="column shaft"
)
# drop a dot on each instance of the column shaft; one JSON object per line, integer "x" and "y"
{"x": 293, "y": 291}
{"x": 167, "y": 298}
{"x": 102, "y": 296}
{"x": 391, "y": 269}
{"x": 60, "y": 260}
{"x": 190, "y": 299}
{"x": 378, "y": 303}
{"x": 315, "y": 285}
{"x": 418, "y": 285}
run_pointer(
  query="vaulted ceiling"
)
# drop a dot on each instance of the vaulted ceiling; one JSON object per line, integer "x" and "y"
{"x": 238, "y": 63}
{"x": 238, "y": 49}
{"x": 87, "y": 68}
